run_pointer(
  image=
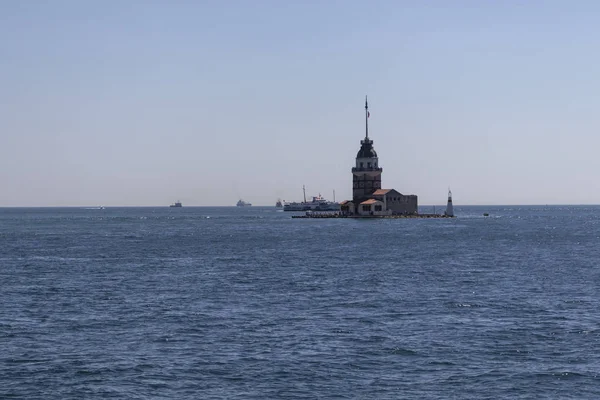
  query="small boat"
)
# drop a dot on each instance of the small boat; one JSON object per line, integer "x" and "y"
{"x": 176, "y": 204}
{"x": 242, "y": 203}
{"x": 486, "y": 214}
{"x": 278, "y": 204}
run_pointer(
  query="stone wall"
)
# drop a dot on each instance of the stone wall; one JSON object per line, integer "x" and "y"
{"x": 402, "y": 204}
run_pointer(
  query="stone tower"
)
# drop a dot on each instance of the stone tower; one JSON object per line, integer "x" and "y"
{"x": 366, "y": 175}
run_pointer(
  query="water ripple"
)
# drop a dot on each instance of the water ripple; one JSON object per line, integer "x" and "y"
{"x": 250, "y": 304}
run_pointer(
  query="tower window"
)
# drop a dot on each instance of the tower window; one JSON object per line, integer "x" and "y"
{"x": 369, "y": 165}
{"x": 361, "y": 165}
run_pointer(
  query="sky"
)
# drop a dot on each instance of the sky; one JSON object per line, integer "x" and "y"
{"x": 142, "y": 103}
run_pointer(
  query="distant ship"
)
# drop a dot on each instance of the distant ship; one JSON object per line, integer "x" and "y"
{"x": 242, "y": 203}
{"x": 318, "y": 203}
{"x": 176, "y": 204}
{"x": 278, "y": 204}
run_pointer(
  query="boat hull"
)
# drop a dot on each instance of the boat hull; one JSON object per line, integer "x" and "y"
{"x": 311, "y": 207}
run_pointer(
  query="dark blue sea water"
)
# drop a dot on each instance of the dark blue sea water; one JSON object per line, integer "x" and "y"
{"x": 247, "y": 303}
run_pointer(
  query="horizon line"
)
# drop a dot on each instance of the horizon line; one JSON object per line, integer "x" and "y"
{"x": 272, "y": 206}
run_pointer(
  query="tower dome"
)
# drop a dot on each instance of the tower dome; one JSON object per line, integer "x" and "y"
{"x": 366, "y": 149}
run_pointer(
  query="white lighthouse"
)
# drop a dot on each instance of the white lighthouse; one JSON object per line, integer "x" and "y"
{"x": 449, "y": 209}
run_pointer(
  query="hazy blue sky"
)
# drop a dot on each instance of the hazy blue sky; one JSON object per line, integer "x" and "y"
{"x": 146, "y": 102}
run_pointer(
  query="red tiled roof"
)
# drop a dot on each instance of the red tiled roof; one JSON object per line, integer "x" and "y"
{"x": 370, "y": 201}
{"x": 345, "y": 201}
{"x": 381, "y": 192}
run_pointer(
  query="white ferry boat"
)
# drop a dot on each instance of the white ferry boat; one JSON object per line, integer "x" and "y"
{"x": 318, "y": 203}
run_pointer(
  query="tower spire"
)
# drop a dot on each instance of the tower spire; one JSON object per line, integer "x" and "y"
{"x": 366, "y": 117}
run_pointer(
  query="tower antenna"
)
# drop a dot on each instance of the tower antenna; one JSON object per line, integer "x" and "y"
{"x": 366, "y": 117}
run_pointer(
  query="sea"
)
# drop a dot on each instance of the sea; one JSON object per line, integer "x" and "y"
{"x": 248, "y": 303}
